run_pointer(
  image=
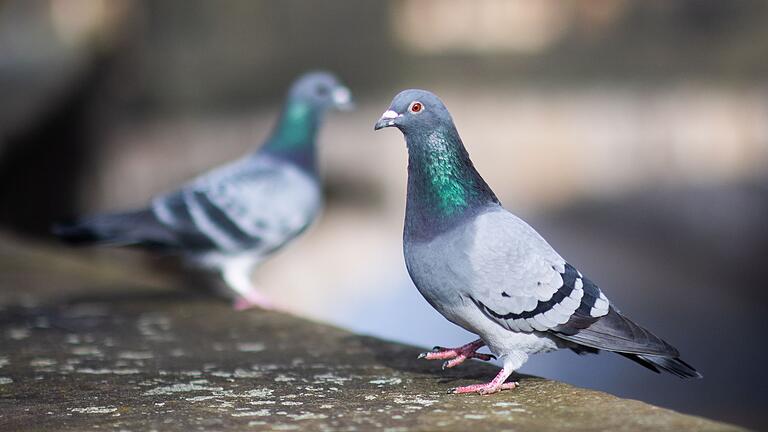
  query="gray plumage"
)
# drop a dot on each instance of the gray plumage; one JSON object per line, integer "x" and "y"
{"x": 488, "y": 271}
{"x": 232, "y": 217}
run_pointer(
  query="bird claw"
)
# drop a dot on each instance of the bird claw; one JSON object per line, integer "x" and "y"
{"x": 483, "y": 356}
{"x": 488, "y": 391}
{"x": 456, "y": 356}
{"x": 484, "y": 389}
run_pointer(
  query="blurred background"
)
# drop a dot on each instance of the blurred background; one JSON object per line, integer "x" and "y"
{"x": 632, "y": 134}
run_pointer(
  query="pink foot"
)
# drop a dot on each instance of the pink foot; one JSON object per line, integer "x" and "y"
{"x": 484, "y": 389}
{"x": 456, "y": 356}
{"x": 496, "y": 385}
{"x": 253, "y": 300}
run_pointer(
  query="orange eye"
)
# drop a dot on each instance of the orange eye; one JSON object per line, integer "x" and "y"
{"x": 416, "y": 107}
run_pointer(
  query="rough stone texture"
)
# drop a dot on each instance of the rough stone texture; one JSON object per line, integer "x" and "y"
{"x": 86, "y": 344}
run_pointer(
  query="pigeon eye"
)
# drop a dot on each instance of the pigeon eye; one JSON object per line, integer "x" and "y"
{"x": 322, "y": 90}
{"x": 416, "y": 107}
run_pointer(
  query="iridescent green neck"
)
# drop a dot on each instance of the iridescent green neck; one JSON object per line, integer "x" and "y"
{"x": 449, "y": 188}
{"x": 443, "y": 184}
{"x": 294, "y": 136}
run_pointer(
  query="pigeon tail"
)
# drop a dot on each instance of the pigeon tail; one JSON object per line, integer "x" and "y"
{"x": 115, "y": 229}
{"x": 675, "y": 366}
{"x": 617, "y": 333}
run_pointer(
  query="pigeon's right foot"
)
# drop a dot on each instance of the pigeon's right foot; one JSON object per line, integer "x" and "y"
{"x": 456, "y": 356}
{"x": 484, "y": 389}
{"x": 496, "y": 385}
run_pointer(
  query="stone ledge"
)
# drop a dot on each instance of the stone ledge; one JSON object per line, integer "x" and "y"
{"x": 86, "y": 346}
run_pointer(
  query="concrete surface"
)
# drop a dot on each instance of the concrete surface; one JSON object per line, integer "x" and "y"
{"x": 88, "y": 343}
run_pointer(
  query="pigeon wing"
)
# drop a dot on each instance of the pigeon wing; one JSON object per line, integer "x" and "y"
{"x": 526, "y": 286}
{"x": 521, "y": 283}
{"x": 251, "y": 204}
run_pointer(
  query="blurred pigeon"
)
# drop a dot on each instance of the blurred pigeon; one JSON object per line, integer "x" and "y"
{"x": 489, "y": 272}
{"x": 233, "y": 217}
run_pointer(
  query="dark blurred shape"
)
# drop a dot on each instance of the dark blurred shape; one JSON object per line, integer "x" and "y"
{"x": 57, "y": 58}
{"x": 41, "y": 167}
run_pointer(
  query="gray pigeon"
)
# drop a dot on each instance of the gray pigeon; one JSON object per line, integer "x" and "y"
{"x": 233, "y": 217}
{"x": 489, "y": 272}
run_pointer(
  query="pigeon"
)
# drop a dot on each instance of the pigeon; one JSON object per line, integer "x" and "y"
{"x": 230, "y": 219}
{"x": 489, "y": 272}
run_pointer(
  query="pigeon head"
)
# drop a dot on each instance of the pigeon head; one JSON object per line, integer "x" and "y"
{"x": 310, "y": 96}
{"x": 415, "y": 111}
{"x": 321, "y": 90}
{"x": 444, "y": 189}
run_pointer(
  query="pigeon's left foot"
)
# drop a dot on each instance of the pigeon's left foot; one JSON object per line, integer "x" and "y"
{"x": 456, "y": 356}
{"x": 236, "y": 273}
{"x": 496, "y": 385}
{"x": 253, "y": 299}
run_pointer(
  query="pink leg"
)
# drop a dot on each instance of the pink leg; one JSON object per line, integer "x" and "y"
{"x": 456, "y": 356}
{"x": 496, "y": 385}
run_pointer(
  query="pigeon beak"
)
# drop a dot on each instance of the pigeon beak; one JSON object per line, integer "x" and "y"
{"x": 387, "y": 119}
{"x": 342, "y": 99}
